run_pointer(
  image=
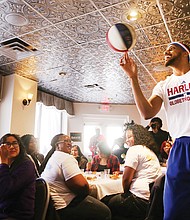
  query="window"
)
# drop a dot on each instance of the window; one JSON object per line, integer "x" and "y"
{"x": 89, "y": 131}
{"x": 48, "y": 122}
{"x": 111, "y": 133}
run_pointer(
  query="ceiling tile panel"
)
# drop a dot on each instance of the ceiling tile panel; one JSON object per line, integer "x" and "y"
{"x": 17, "y": 18}
{"x": 56, "y": 11}
{"x": 71, "y": 57}
{"x": 85, "y": 28}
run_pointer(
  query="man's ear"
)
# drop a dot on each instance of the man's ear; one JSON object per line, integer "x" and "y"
{"x": 186, "y": 54}
{"x": 56, "y": 146}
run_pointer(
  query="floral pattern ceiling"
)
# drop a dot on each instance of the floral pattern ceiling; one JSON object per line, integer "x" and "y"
{"x": 61, "y": 44}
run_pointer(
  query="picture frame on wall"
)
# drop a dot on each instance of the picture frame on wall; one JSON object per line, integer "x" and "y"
{"x": 76, "y": 136}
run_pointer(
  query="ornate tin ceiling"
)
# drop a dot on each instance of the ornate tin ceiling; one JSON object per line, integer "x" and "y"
{"x": 61, "y": 44}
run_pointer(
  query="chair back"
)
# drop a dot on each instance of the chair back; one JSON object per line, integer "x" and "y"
{"x": 156, "y": 208}
{"x": 41, "y": 199}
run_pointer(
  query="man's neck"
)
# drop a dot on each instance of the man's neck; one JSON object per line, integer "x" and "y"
{"x": 182, "y": 70}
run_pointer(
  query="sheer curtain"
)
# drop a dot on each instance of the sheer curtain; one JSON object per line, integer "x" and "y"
{"x": 49, "y": 121}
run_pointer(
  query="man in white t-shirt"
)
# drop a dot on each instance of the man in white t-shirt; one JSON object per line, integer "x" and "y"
{"x": 174, "y": 92}
{"x": 69, "y": 188}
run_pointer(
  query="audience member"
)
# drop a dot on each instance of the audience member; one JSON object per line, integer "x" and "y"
{"x": 165, "y": 150}
{"x": 120, "y": 149}
{"x": 69, "y": 188}
{"x": 104, "y": 159}
{"x": 17, "y": 180}
{"x": 141, "y": 168}
{"x": 94, "y": 140}
{"x": 79, "y": 156}
{"x": 30, "y": 143}
{"x": 159, "y": 135}
{"x": 50, "y": 152}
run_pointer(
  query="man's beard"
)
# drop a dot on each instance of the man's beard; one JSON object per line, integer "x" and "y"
{"x": 170, "y": 62}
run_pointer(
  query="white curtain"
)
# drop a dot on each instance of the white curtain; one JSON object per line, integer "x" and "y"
{"x": 49, "y": 122}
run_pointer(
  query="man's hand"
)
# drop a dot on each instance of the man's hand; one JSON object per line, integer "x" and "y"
{"x": 128, "y": 65}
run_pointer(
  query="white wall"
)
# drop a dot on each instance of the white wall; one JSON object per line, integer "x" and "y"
{"x": 91, "y": 113}
{"x": 118, "y": 115}
{"x": 14, "y": 117}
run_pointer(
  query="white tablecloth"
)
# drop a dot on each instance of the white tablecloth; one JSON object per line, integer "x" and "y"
{"x": 164, "y": 170}
{"x": 102, "y": 186}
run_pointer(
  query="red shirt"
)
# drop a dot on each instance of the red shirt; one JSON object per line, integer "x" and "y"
{"x": 112, "y": 163}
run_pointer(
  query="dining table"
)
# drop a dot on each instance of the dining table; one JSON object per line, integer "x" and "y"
{"x": 102, "y": 185}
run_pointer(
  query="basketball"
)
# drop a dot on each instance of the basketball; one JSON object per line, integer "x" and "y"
{"x": 121, "y": 37}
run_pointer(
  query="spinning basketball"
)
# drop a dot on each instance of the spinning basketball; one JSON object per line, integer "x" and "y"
{"x": 121, "y": 37}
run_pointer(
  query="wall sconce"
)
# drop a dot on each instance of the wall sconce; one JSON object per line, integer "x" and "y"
{"x": 28, "y": 100}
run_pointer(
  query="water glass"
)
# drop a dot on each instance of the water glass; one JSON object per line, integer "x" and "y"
{"x": 106, "y": 173}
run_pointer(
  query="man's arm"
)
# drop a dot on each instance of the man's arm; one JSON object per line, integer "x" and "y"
{"x": 79, "y": 185}
{"x": 147, "y": 108}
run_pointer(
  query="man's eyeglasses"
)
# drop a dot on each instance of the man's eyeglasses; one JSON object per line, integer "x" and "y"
{"x": 65, "y": 141}
{"x": 14, "y": 144}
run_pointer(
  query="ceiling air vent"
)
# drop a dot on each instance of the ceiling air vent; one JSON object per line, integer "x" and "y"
{"x": 17, "y": 49}
{"x": 91, "y": 86}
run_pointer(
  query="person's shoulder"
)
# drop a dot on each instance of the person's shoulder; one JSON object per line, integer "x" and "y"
{"x": 163, "y": 131}
{"x": 27, "y": 159}
{"x": 136, "y": 149}
{"x": 40, "y": 155}
{"x": 27, "y": 162}
{"x": 61, "y": 156}
{"x": 83, "y": 158}
{"x": 165, "y": 81}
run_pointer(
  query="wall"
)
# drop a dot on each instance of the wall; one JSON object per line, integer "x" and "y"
{"x": 91, "y": 113}
{"x": 118, "y": 114}
{"x": 14, "y": 117}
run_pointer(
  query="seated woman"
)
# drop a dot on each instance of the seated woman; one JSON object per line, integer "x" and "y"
{"x": 69, "y": 188}
{"x": 79, "y": 156}
{"x": 104, "y": 159}
{"x": 141, "y": 168}
{"x": 17, "y": 180}
{"x": 165, "y": 150}
{"x": 30, "y": 144}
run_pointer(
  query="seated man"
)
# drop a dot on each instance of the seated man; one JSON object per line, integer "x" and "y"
{"x": 69, "y": 188}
